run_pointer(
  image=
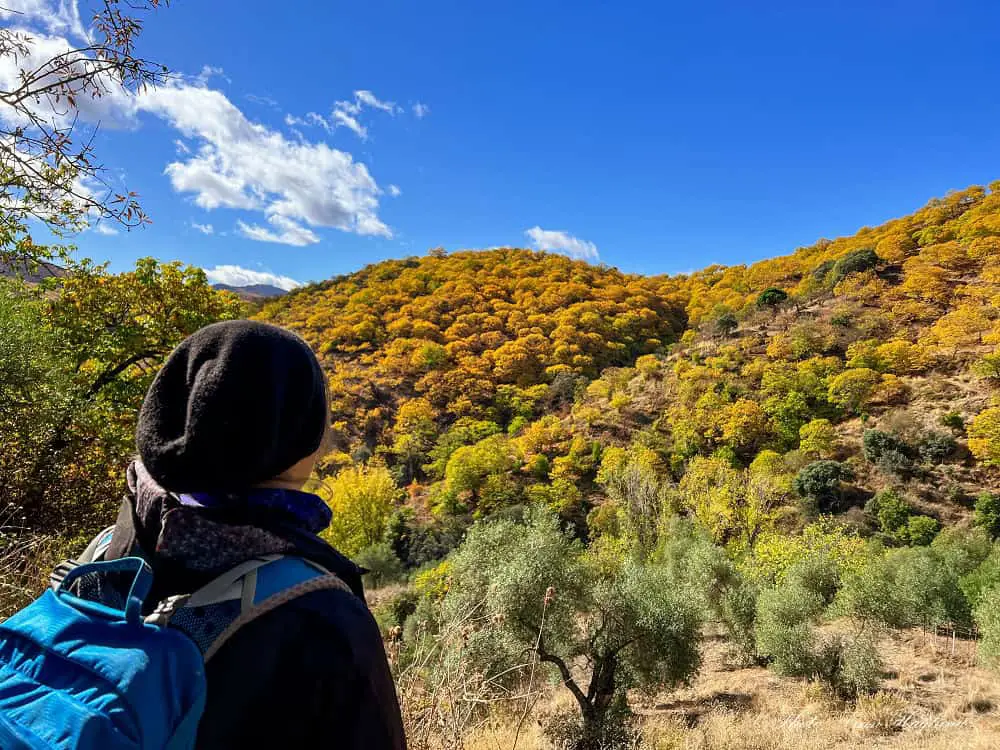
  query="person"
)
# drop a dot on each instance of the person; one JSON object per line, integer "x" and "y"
{"x": 228, "y": 434}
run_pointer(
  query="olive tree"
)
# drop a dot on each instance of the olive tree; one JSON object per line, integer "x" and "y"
{"x": 601, "y": 622}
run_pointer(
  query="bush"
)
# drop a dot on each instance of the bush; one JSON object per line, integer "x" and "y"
{"x": 962, "y": 550}
{"x": 889, "y": 452}
{"x": 738, "y": 614}
{"x": 362, "y": 499}
{"x": 891, "y": 512}
{"x": 928, "y": 592}
{"x": 381, "y": 565}
{"x": 987, "y": 617}
{"x": 817, "y": 573}
{"x": 953, "y": 420}
{"x": 849, "y": 666}
{"x": 984, "y": 436}
{"x": 984, "y": 578}
{"x": 771, "y": 297}
{"x": 921, "y": 530}
{"x": 868, "y": 594}
{"x": 854, "y": 262}
{"x": 512, "y": 582}
{"x": 820, "y": 482}
{"x": 986, "y": 514}
{"x": 936, "y": 447}
{"x": 784, "y": 630}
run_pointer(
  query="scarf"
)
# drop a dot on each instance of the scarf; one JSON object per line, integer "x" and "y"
{"x": 211, "y": 533}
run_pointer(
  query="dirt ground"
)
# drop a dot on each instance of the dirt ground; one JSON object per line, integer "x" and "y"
{"x": 934, "y": 697}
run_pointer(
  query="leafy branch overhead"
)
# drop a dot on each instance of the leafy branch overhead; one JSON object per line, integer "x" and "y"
{"x": 49, "y": 170}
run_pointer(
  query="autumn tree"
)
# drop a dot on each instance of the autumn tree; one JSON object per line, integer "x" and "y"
{"x": 362, "y": 499}
{"x": 113, "y": 331}
{"x": 984, "y": 436}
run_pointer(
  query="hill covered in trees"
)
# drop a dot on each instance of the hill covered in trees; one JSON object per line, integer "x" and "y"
{"x": 848, "y": 367}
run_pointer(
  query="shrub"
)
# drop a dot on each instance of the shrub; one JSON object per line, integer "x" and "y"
{"x": 921, "y": 530}
{"x": 771, "y": 297}
{"x": 936, "y": 447}
{"x": 738, "y": 614}
{"x": 362, "y": 499}
{"x": 854, "y": 262}
{"x": 860, "y": 666}
{"x": 820, "y": 482}
{"x": 381, "y": 565}
{"x": 531, "y": 589}
{"x": 962, "y": 550}
{"x": 889, "y": 452}
{"x": 953, "y": 420}
{"x": 889, "y": 510}
{"x": 817, "y": 573}
{"x": 986, "y": 514}
{"x": 818, "y": 438}
{"x": 852, "y": 389}
{"x": 725, "y": 324}
{"x": 849, "y": 666}
{"x": 927, "y": 591}
{"x": 987, "y": 617}
{"x": 867, "y": 594}
{"x": 783, "y": 628}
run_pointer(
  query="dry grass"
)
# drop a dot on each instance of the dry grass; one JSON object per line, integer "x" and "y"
{"x": 934, "y": 697}
{"x": 26, "y": 559}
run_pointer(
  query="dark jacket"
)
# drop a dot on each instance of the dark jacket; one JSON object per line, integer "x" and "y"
{"x": 311, "y": 674}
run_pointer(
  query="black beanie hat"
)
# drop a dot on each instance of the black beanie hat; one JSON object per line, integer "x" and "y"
{"x": 235, "y": 404}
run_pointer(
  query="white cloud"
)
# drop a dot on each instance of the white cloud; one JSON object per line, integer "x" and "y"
{"x": 245, "y": 165}
{"x": 394, "y": 191}
{"x": 345, "y": 114}
{"x": 562, "y": 242}
{"x": 239, "y": 276}
{"x": 62, "y": 17}
{"x": 261, "y": 99}
{"x": 421, "y": 110}
{"x": 104, "y": 228}
{"x": 112, "y": 109}
{"x": 211, "y": 71}
{"x": 349, "y": 121}
{"x": 225, "y": 160}
{"x": 289, "y": 232}
{"x": 203, "y": 228}
{"x": 368, "y": 99}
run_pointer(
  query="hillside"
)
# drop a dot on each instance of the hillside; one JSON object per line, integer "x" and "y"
{"x": 893, "y": 328}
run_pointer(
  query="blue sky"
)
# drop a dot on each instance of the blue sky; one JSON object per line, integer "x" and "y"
{"x": 658, "y": 137}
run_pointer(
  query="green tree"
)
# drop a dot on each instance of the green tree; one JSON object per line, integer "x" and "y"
{"x": 821, "y": 483}
{"x": 534, "y": 590}
{"x": 362, "y": 499}
{"x": 771, "y": 297}
{"x": 986, "y": 514}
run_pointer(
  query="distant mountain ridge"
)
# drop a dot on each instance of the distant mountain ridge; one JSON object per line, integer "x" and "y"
{"x": 32, "y": 273}
{"x": 252, "y": 291}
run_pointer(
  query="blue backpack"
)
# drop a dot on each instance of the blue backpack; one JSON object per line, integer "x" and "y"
{"x": 81, "y": 668}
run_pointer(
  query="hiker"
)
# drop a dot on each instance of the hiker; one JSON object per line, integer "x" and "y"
{"x": 227, "y": 436}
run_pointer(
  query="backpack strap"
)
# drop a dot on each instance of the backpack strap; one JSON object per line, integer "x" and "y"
{"x": 217, "y": 611}
{"x": 95, "y": 552}
{"x": 327, "y": 582}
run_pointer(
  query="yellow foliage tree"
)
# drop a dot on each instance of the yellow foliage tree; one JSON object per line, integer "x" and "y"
{"x": 362, "y": 498}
